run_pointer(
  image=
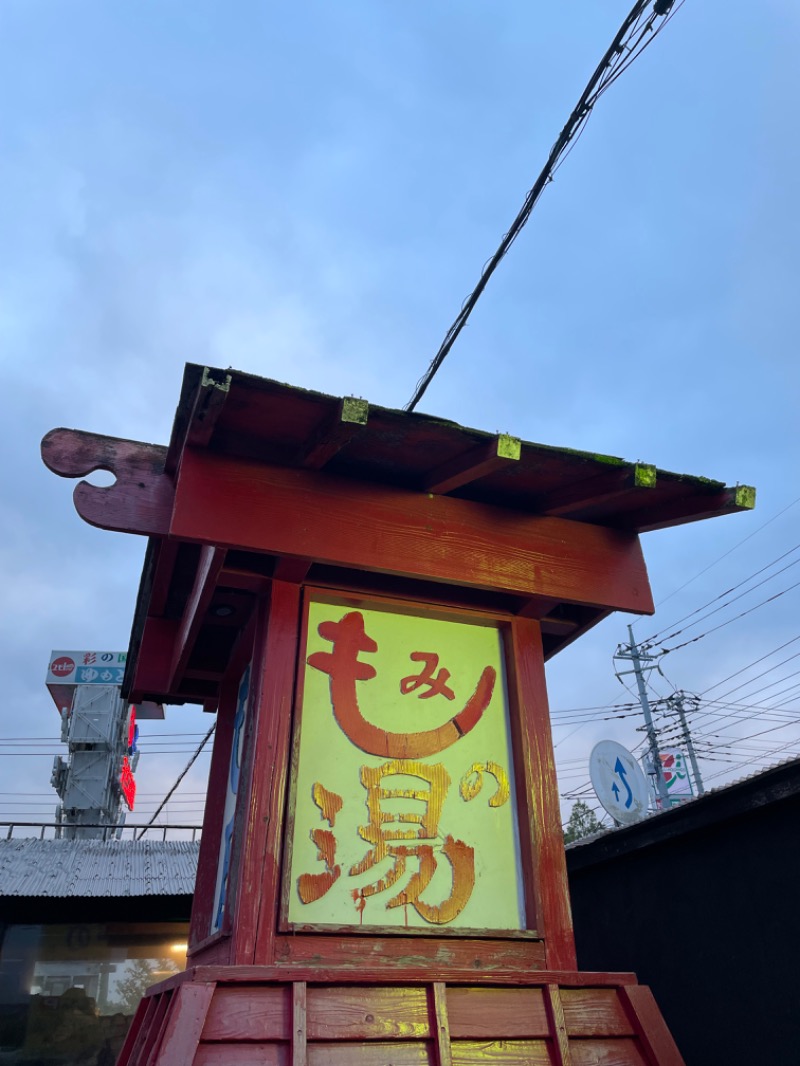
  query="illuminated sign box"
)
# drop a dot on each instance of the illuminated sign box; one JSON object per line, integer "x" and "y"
{"x": 405, "y": 811}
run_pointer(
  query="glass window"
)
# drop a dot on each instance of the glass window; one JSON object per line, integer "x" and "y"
{"x": 68, "y": 992}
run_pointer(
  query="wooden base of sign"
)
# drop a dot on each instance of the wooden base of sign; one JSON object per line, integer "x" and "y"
{"x": 260, "y": 1016}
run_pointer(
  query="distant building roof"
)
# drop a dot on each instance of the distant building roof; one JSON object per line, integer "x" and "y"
{"x": 84, "y": 868}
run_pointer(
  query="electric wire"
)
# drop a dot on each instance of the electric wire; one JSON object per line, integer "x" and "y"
{"x": 722, "y": 625}
{"x": 657, "y": 636}
{"x": 613, "y": 58}
{"x": 180, "y": 778}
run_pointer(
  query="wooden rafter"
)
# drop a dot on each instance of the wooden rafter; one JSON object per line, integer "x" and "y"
{"x": 197, "y": 603}
{"x": 686, "y": 509}
{"x": 348, "y": 420}
{"x": 499, "y": 452}
{"x": 597, "y": 490}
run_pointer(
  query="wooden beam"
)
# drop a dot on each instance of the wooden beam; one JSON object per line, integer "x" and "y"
{"x": 205, "y": 582}
{"x": 139, "y": 501}
{"x": 299, "y": 1024}
{"x": 348, "y": 420}
{"x": 532, "y": 736}
{"x": 558, "y": 1026}
{"x": 292, "y": 570}
{"x": 185, "y": 1023}
{"x": 260, "y": 803}
{"x": 166, "y": 552}
{"x": 441, "y": 1025}
{"x": 208, "y": 404}
{"x": 203, "y": 394}
{"x": 650, "y": 1026}
{"x": 364, "y": 526}
{"x": 154, "y": 660}
{"x": 243, "y": 580}
{"x": 501, "y": 451}
{"x": 683, "y": 510}
{"x": 596, "y": 491}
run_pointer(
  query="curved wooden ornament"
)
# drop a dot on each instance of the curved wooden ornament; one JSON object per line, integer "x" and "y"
{"x": 141, "y": 498}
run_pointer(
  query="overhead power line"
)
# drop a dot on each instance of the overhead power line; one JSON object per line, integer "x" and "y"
{"x": 719, "y": 558}
{"x": 714, "y": 629}
{"x": 657, "y": 636}
{"x": 179, "y": 778}
{"x": 636, "y": 32}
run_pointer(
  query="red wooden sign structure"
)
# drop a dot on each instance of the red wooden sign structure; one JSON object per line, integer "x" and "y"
{"x": 367, "y": 599}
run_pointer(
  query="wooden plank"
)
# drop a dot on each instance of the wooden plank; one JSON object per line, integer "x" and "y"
{"x": 205, "y": 581}
{"x": 320, "y": 971}
{"x": 595, "y": 1012}
{"x": 641, "y": 1008}
{"x": 256, "y": 1013}
{"x": 495, "y": 1013}
{"x": 407, "y": 1053}
{"x": 299, "y": 1024}
{"x": 606, "y": 1053}
{"x": 378, "y": 528}
{"x": 369, "y": 957}
{"x": 360, "y": 1012}
{"x": 242, "y": 1055}
{"x": 137, "y": 1034}
{"x": 502, "y": 1053}
{"x": 441, "y": 1024}
{"x": 157, "y": 1028}
{"x": 501, "y": 451}
{"x": 139, "y": 501}
{"x": 533, "y": 740}
{"x": 558, "y": 1028}
{"x": 187, "y": 1017}
{"x": 347, "y": 421}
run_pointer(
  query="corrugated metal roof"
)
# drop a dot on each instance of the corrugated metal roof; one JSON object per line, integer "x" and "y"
{"x": 61, "y": 868}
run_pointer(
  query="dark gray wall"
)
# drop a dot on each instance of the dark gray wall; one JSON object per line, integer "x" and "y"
{"x": 703, "y": 903}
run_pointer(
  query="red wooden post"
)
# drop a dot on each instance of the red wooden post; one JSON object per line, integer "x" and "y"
{"x": 382, "y": 858}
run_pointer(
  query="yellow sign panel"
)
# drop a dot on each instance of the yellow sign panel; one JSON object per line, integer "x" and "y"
{"x": 405, "y": 810}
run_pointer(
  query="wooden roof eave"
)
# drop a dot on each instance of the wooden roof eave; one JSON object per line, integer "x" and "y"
{"x": 409, "y": 457}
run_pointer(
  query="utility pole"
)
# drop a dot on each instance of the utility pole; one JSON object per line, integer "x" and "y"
{"x": 632, "y": 653}
{"x": 677, "y": 702}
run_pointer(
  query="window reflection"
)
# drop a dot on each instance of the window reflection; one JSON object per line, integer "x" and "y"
{"x": 68, "y": 992}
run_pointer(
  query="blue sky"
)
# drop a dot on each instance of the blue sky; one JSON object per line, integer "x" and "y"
{"x": 308, "y": 192}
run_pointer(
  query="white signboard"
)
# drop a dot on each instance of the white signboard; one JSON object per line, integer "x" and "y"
{"x": 68, "y": 669}
{"x": 618, "y": 781}
{"x": 86, "y": 668}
